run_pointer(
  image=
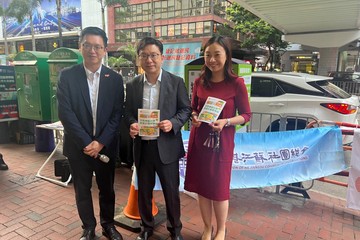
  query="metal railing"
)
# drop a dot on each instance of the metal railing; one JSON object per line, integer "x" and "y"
{"x": 350, "y": 87}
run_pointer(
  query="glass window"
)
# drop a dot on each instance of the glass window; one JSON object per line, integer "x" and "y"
{"x": 171, "y": 32}
{"x": 184, "y": 29}
{"x": 207, "y": 27}
{"x": 164, "y": 31}
{"x": 199, "y": 27}
{"x": 191, "y": 28}
{"x": 265, "y": 87}
{"x": 157, "y": 31}
{"x": 177, "y": 30}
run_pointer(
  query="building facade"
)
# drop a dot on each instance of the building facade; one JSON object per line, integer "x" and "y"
{"x": 168, "y": 20}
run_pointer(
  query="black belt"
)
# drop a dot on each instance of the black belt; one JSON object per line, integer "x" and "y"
{"x": 149, "y": 141}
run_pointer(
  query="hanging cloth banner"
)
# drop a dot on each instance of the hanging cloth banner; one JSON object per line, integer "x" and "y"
{"x": 353, "y": 190}
{"x": 273, "y": 158}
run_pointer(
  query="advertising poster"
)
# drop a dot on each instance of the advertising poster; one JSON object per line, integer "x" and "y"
{"x": 45, "y": 18}
{"x": 8, "y": 99}
{"x": 176, "y": 55}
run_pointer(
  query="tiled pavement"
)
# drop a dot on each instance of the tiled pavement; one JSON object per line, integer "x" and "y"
{"x": 33, "y": 208}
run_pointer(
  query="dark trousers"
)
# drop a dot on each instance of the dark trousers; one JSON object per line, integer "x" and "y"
{"x": 82, "y": 174}
{"x": 150, "y": 164}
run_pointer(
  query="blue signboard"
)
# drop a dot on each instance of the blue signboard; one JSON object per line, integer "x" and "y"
{"x": 176, "y": 55}
{"x": 8, "y": 98}
{"x": 45, "y": 18}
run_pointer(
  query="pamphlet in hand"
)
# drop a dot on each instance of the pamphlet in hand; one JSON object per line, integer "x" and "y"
{"x": 211, "y": 110}
{"x": 148, "y": 120}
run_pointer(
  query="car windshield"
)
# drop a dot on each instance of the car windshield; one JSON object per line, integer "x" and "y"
{"x": 330, "y": 89}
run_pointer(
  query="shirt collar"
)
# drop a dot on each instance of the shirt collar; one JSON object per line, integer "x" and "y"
{"x": 159, "y": 77}
{"x": 88, "y": 72}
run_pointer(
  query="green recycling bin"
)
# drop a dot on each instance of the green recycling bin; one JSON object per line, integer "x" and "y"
{"x": 59, "y": 59}
{"x": 32, "y": 84}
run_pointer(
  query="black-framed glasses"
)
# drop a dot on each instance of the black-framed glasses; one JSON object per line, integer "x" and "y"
{"x": 152, "y": 56}
{"x": 89, "y": 47}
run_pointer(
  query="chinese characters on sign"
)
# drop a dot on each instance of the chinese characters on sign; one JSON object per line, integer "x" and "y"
{"x": 148, "y": 122}
{"x": 211, "y": 110}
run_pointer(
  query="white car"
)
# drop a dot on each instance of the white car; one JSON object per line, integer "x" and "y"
{"x": 287, "y": 101}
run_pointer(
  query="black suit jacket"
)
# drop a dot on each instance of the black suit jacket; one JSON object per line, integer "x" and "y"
{"x": 174, "y": 105}
{"x": 76, "y": 115}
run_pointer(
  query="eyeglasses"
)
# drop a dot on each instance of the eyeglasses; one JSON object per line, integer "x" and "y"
{"x": 152, "y": 56}
{"x": 89, "y": 47}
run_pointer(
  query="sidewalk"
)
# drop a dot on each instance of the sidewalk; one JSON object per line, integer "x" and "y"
{"x": 33, "y": 208}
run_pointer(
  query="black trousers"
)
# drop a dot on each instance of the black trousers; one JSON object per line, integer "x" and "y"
{"x": 150, "y": 164}
{"x": 82, "y": 174}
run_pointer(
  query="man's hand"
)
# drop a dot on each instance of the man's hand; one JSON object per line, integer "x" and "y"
{"x": 134, "y": 130}
{"x": 165, "y": 125}
{"x": 93, "y": 149}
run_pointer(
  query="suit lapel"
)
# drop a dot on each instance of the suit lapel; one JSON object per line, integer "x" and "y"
{"x": 103, "y": 87}
{"x": 163, "y": 89}
{"x": 140, "y": 92}
{"x": 84, "y": 88}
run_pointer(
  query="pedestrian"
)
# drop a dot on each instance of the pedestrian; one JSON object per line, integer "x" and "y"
{"x": 90, "y": 99}
{"x": 208, "y": 168}
{"x": 3, "y": 165}
{"x": 157, "y": 89}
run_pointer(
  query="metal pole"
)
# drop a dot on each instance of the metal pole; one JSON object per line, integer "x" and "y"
{"x": 152, "y": 19}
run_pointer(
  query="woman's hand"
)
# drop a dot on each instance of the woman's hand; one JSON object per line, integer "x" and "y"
{"x": 218, "y": 125}
{"x": 194, "y": 120}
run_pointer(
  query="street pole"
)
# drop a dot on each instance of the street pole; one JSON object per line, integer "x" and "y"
{"x": 152, "y": 19}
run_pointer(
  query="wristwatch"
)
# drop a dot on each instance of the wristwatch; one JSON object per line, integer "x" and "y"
{"x": 227, "y": 122}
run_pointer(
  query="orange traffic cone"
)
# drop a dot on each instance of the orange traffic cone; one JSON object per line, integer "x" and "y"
{"x": 131, "y": 210}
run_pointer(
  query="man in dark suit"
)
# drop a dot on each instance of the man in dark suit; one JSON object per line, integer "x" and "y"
{"x": 90, "y": 99}
{"x": 157, "y": 89}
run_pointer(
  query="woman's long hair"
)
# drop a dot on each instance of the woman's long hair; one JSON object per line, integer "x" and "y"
{"x": 206, "y": 73}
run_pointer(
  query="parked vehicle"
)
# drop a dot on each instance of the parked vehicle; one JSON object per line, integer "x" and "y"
{"x": 298, "y": 98}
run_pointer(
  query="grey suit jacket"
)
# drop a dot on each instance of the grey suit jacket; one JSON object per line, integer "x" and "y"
{"x": 76, "y": 115}
{"x": 174, "y": 105}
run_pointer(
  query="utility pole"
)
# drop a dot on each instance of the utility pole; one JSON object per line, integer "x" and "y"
{"x": 152, "y": 19}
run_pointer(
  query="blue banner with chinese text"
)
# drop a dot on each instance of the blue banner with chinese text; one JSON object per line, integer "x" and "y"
{"x": 274, "y": 158}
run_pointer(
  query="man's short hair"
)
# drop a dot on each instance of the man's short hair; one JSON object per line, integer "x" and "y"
{"x": 149, "y": 41}
{"x": 93, "y": 31}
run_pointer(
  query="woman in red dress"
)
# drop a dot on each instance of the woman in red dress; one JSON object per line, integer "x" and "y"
{"x": 208, "y": 169}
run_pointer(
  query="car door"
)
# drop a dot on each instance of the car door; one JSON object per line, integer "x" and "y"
{"x": 268, "y": 101}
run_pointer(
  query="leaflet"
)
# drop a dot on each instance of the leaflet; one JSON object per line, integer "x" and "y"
{"x": 148, "y": 120}
{"x": 211, "y": 109}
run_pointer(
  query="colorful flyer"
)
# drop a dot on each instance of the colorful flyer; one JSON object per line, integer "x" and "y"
{"x": 148, "y": 120}
{"x": 211, "y": 110}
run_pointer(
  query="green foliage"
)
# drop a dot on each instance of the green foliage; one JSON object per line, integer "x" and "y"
{"x": 20, "y": 9}
{"x": 123, "y": 3}
{"x": 225, "y": 30}
{"x": 255, "y": 32}
{"x": 115, "y": 62}
{"x": 129, "y": 50}
{"x": 105, "y": 3}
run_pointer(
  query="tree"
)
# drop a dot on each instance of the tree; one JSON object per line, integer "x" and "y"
{"x": 3, "y": 15}
{"x": 58, "y": 13}
{"x": 255, "y": 32}
{"x": 105, "y": 3}
{"x": 21, "y": 9}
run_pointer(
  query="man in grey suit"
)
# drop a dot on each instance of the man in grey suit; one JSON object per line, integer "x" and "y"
{"x": 157, "y": 89}
{"x": 90, "y": 99}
